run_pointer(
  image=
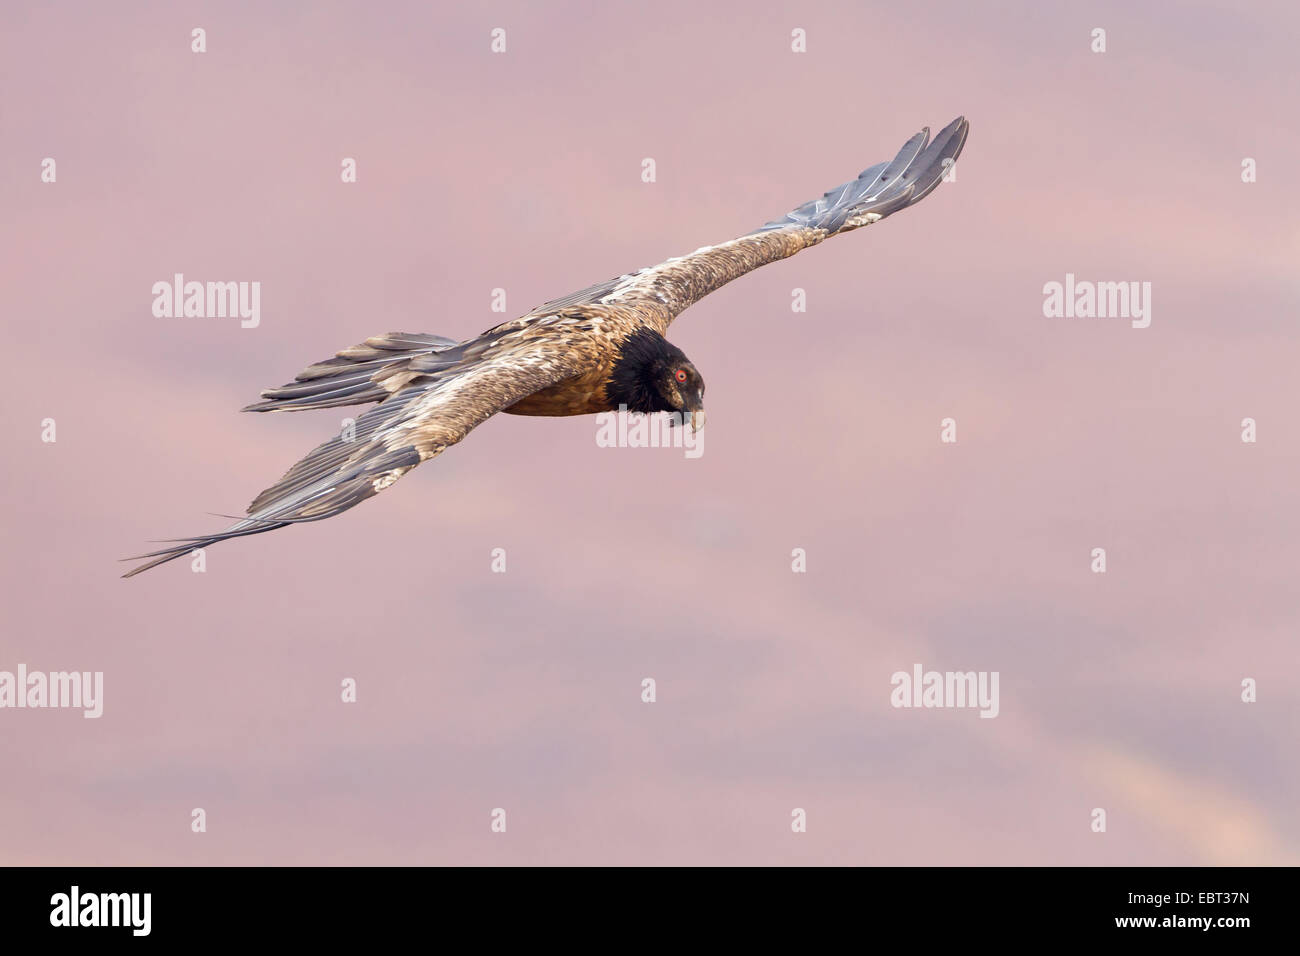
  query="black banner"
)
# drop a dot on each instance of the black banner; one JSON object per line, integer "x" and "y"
{"x": 93, "y": 905}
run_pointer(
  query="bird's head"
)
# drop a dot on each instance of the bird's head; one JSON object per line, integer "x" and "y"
{"x": 680, "y": 388}
{"x": 653, "y": 375}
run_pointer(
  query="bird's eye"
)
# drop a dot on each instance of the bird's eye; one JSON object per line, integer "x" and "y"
{"x": 681, "y": 375}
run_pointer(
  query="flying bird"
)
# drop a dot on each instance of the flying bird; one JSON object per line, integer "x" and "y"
{"x": 593, "y": 351}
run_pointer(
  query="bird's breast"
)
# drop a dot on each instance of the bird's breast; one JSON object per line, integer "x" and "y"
{"x": 581, "y": 395}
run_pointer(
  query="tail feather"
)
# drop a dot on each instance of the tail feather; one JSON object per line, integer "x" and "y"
{"x": 885, "y": 188}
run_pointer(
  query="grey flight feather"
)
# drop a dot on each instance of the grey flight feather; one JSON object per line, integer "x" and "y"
{"x": 354, "y": 375}
{"x": 883, "y": 189}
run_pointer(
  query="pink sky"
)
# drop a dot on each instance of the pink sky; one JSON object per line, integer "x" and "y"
{"x": 522, "y": 690}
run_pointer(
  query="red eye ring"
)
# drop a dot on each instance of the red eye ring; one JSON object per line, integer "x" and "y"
{"x": 681, "y": 375}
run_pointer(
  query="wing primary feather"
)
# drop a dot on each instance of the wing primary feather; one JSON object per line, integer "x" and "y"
{"x": 882, "y": 189}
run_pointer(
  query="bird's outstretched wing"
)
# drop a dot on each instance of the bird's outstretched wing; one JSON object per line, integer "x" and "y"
{"x": 449, "y": 392}
{"x": 663, "y": 292}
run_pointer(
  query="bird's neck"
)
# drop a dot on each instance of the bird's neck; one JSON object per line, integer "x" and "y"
{"x": 640, "y": 364}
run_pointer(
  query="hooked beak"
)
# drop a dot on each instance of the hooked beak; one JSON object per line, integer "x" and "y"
{"x": 695, "y": 405}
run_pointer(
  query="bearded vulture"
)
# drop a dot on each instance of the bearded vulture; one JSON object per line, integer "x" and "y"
{"x": 593, "y": 351}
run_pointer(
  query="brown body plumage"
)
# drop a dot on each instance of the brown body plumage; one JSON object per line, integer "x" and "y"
{"x": 596, "y": 350}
